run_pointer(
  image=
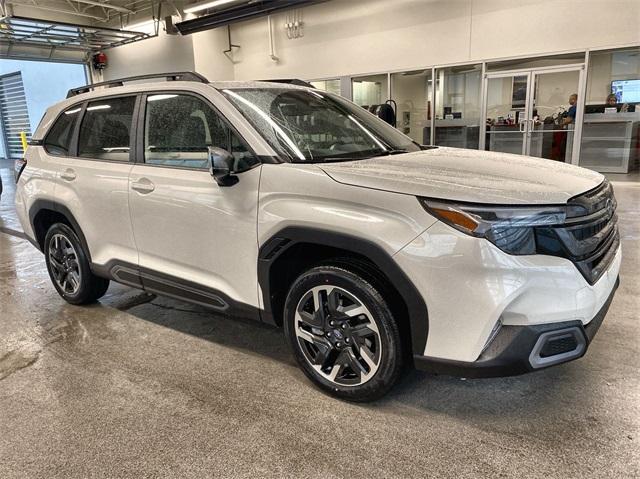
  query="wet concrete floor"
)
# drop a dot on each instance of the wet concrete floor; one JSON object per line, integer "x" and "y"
{"x": 141, "y": 386}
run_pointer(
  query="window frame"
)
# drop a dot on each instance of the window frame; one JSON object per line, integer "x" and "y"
{"x": 140, "y": 130}
{"x": 73, "y": 149}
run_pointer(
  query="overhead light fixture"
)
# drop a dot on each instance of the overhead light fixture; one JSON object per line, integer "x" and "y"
{"x": 198, "y": 7}
{"x": 240, "y": 12}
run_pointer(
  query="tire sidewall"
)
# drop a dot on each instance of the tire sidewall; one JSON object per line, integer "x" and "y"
{"x": 389, "y": 367}
{"x": 85, "y": 270}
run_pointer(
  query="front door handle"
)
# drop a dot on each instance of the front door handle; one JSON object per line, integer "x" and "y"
{"x": 143, "y": 185}
{"x": 68, "y": 175}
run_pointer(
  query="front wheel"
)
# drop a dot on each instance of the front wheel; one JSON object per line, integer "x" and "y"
{"x": 343, "y": 333}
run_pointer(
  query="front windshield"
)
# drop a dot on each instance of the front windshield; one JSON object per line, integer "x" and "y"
{"x": 310, "y": 125}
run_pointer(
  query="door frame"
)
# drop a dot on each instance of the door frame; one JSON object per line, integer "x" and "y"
{"x": 531, "y": 74}
{"x": 485, "y": 93}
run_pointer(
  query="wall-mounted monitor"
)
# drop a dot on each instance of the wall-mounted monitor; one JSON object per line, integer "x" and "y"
{"x": 626, "y": 91}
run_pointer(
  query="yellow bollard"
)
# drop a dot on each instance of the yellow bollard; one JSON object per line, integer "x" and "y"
{"x": 23, "y": 139}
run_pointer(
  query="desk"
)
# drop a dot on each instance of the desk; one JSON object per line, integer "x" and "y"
{"x": 456, "y": 133}
{"x": 610, "y": 141}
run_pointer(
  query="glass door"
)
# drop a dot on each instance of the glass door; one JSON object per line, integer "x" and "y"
{"x": 507, "y": 111}
{"x": 533, "y": 112}
{"x": 554, "y": 107}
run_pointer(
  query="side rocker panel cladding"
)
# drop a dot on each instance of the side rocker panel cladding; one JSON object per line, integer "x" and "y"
{"x": 273, "y": 248}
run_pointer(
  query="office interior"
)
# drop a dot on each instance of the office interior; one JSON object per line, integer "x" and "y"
{"x": 517, "y": 105}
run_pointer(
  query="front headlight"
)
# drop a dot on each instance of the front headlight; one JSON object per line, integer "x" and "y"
{"x": 510, "y": 228}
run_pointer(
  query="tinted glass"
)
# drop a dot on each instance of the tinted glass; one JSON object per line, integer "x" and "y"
{"x": 58, "y": 140}
{"x": 105, "y": 129}
{"x": 180, "y": 128}
{"x": 306, "y": 125}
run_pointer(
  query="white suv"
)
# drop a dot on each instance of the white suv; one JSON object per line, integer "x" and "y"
{"x": 300, "y": 209}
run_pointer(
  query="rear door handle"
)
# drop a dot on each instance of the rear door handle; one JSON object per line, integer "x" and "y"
{"x": 143, "y": 185}
{"x": 68, "y": 175}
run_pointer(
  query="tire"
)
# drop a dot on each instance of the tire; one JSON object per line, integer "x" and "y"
{"x": 351, "y": 347}
{"x": 69, "y": 268}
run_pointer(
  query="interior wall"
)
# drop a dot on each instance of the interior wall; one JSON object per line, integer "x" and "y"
{"x": 209, "y": 57}
{"x": 164, "y": 53}
{"x": 351, "y": 37}
{"x": 345, "y": 37}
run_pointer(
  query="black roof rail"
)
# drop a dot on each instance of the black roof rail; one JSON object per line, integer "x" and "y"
{"x": 291, "y": 81}
{"x": 173, "y": 76}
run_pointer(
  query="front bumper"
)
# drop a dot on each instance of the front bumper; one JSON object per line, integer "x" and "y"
{"x": 521, "y": 349}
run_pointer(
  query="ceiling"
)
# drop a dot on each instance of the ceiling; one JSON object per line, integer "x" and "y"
{"x": 71, "y": 30}
{"x": 90, "y": 12}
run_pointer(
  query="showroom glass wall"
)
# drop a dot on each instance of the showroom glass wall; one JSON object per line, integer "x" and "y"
{"x": 331, "y": 86}
{"x": 522, "y": 106}
{"x": 611, "y": 130}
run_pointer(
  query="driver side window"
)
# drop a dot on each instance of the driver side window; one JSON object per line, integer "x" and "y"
{"x": 179, "y": 128}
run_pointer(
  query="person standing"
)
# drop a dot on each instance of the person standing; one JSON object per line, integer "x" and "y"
{"x": 570, "y": 116}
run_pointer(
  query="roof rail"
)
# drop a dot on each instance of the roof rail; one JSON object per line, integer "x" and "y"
{"x": 174, "y": 76}
{"x": 291, "y": 81}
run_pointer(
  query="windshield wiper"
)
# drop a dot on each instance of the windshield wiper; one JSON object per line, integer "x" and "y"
{"x": 389, "y": 152}
{"x": 329, "y": 159}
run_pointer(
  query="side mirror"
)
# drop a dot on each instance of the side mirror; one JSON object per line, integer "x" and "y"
{"x": 221, "y": 166}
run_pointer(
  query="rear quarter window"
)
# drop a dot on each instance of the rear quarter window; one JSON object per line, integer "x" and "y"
{"x": 58, "y": 139}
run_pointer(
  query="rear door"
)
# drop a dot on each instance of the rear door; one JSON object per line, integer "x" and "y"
{"x": 196, "y": 240}
{"x": 93, "y": 177}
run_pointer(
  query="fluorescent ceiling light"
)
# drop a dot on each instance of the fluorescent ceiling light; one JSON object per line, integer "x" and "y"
{"x": 198, "y": 7}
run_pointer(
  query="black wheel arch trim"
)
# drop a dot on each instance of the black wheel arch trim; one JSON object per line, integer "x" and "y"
{"x": 287, "y": 237}
{"x": 41, "y": 204}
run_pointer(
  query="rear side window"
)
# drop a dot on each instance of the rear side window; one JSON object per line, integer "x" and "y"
{"x": 180, "y": 128}
{"x": 58, "y": 140}
{"x": 106, "y": 128}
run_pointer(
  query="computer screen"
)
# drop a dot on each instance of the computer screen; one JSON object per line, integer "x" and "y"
{"x": 626, "y": 91}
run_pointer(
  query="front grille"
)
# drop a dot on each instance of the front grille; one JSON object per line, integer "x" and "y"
{"x": 589, "y": 237}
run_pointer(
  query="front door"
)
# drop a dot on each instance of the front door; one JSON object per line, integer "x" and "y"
{"x": 196, "y": 240}
{"x": 533, "y": 112}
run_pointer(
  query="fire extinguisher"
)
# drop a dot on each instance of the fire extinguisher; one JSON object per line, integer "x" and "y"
{"x": 99, "y": 61}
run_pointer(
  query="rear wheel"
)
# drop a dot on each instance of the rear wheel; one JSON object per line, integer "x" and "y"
{"x": 69, "y": 268}
{"x": 343, "y": 333}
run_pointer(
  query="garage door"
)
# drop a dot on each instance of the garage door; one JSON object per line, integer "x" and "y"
{"x": 13, "y": 113}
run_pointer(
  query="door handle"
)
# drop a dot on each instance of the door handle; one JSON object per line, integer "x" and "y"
{"x": 143, "y": 185}
{"x": 521, "y": 125}
{"x": 68, "y": 174}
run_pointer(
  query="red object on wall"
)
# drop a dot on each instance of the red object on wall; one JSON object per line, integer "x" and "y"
{"x": 99, "y": 61}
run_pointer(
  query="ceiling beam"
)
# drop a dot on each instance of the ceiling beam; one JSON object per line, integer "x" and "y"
{"x": 106, "y": 5}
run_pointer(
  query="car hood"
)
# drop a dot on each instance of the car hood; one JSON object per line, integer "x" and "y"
{"x": 468, "y": 175}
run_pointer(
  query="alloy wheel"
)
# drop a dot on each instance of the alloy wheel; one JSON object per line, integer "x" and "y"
{"x": 338, "y": 335}
{"x": 65, "y": 267}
